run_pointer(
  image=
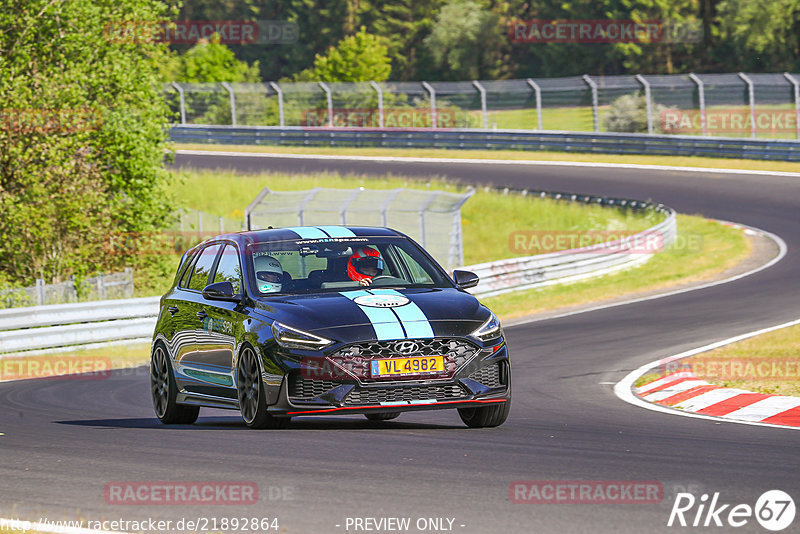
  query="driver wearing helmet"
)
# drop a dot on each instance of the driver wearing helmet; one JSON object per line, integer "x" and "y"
{"x": 269, "y": 274}
{"x": 364, "y": 264}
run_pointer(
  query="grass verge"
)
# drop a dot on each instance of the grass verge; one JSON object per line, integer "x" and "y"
{"x": 702, "y": 249}
{"x": 769, "y": 363}
{"x": 518, "y": 155}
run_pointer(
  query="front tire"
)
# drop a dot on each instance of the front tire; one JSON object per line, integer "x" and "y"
{"x": 250, "y": 391}
{"x": 164, "y": 391}
{"x": 485, "y": 416}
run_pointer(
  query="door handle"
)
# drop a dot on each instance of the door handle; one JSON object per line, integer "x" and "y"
{"x": 202, "y": 314}
{"x": 172, "y": 310}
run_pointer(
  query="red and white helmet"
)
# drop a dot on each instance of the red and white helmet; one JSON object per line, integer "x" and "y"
{"x": 363, "y": 261}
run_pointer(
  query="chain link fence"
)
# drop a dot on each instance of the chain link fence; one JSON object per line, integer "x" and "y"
{"x": 100, "y": 287}
{"x": 719, "y": 105}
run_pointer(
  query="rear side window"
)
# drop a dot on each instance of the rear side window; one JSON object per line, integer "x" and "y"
{"x": 202, "y": 268}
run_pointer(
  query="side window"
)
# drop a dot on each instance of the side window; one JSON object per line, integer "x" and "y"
{"x": 187, "y": 272}
{"x": 417, "y": 272}
{"x": 229, "y": 269}
{"x": 202, "y": 268}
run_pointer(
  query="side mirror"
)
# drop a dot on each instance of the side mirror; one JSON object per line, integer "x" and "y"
{"x": 465, "y": 279}
{"x": 220, "y": 291}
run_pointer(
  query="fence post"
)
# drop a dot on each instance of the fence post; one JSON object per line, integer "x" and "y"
{"x": 200, "y": 222}
{"x": 221, "y": 225}
{"x": 796, "y": 85}
{"x": 380, "y": 102}
{"x": 277, "y": 89}
{"x": 228, "y": 88}
{"x": 182, "y": 101}
{"x": 39, "y": 292}
{"x": 432, "y": 92}
{"x": 751, "y": 93}
{"x": 482, "y": 91}
{"x": 701, "y": 93}
{"x": 330, "y": 102}
{"x": 595, "y": 119}
{"x": 422, "y": 211}
{"x": 538, "y": 91}
{"x": 646, "y": 86}
{"x": 129, "y": 286}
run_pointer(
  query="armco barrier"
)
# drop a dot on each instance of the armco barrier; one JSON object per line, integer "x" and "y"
{"x": 62, "y": 325}
{"x": 599, "y": 143}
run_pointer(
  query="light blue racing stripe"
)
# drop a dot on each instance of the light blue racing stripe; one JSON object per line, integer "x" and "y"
{"x": 383, "y": 320}
{"x": 308, "y": 232}
{"x": 337, "y": 231}
{"x": 413, "y": 318}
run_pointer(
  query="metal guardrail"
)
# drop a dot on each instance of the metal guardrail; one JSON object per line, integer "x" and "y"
{"x": 63, "y": 325}
{"x": 594, "y": 142}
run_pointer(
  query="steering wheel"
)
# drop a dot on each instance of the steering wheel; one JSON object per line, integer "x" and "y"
{"x": 382, "y": 276}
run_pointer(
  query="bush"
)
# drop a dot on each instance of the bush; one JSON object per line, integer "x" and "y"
{"x": 628, "y": 114}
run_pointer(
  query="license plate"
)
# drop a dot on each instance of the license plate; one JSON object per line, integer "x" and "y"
{"x": 415, "y": 365}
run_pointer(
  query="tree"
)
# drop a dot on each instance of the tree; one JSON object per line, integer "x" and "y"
{"x": 82, "y": 138}
{"x": 466, "y": 41}
{"x": 212, "y": 62}
{"x": 358, "y": 58}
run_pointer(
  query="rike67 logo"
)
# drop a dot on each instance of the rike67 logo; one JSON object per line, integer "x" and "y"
{"x": 774, "y": 510}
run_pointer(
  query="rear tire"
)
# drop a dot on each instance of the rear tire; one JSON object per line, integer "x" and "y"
{"x": 164, "y": 392}
{"x": 485, "y": 416}
{"x": 382, "y": 416}
{"x": 250, "y": 391}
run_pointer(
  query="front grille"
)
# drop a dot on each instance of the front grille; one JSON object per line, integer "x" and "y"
{"x": 356, "y": 357}
{"x": 378, "y": 395}
{"x": 307, "y": 388}
{"x": 488, "y": 376}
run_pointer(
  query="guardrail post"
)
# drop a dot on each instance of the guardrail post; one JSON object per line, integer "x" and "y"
{"x": 751, "y": 93}
{"x": 646, "y": 86}
{"x": 279, "y": 91}
{"x": 796, "y": 85}
{"x": 432, "y": 92}
{"x": 182, "y": 101}
{"x": 330, "y": 102}
{"x": 482, "y": 91}
{"x": 380, "y": 102}
{"x": 228, "y": 88}
{"x": 590, "y": 82}
{"x": 701, "y": 93}
{"x": 538, "y": 91}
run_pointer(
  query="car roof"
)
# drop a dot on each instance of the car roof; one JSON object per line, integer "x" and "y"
{"x": 295, "y": 233}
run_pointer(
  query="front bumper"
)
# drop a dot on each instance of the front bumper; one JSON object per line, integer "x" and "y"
{"x": 473, "y": 379}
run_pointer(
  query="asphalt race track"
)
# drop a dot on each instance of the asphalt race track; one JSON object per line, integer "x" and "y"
{"x": 66, "y": 439}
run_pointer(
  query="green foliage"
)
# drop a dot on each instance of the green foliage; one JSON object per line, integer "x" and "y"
{"x": 82, "y": 137}
{"x": 628, "y": 113}
{"x": 212, "y": 62}
{"x": 358, "y": 58}
{"x": 466, "y": 41}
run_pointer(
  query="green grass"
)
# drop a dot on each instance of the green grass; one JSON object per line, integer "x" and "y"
{"x": 488, "y": 218}
{"x": 702, "y": 250}
{"x": 514, "y": 155}
{"x": 769, "y": 363}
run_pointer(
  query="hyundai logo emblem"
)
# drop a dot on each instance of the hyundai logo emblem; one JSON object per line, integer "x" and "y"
{"x": 406, "y": 347}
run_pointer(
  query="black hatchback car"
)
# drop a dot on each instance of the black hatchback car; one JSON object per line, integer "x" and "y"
{"x": 325, "y": 320}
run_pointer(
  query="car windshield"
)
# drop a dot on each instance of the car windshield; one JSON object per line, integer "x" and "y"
{"x": 336, "y": 264}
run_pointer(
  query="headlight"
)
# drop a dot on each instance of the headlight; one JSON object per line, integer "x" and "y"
{"x": 292, "y": 338}
{"x": 488, "y": 330}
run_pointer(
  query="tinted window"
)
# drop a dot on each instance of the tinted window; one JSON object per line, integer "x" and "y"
{"x": 202, "y": 268}
{"x": 228, "y": 269}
